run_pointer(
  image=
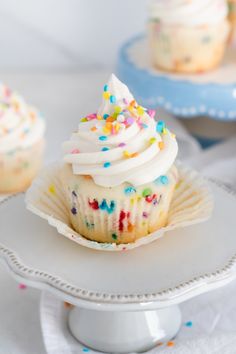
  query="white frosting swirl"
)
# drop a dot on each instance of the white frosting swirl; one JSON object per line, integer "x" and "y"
{"x": 189, "y": 12}
{"x": 135, "y": 152}
{"x": 20, "y": 126}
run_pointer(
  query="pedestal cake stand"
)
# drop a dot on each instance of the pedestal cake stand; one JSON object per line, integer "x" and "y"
{"x": 124, "y": 301}
{"x": 211, "y": 94}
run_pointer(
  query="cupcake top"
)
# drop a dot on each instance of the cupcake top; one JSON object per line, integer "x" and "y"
{"x": 20, "y": 126}
{"x": 121, "y": 142}
{"x": 189, "y": 12}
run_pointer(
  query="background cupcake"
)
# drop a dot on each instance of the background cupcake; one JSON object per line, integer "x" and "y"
{"x": 21, "y": 142}
{"x": 188, "y": 36}
{"x": 232, "y": 18}
{"x": 119, "y": 175}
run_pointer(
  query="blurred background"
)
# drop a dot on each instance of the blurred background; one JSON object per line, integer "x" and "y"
{"x": 58, "y": 54}
{"x": 66, "y": 34}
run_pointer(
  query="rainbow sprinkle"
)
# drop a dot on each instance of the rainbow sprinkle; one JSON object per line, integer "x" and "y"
{"x": 102, "y": 138}
{"x": 75, "y": 151}
{"x": 152, "y": 140}
{"x": 129, "y": 155}
{"x": 112, "y": 99}
{"x": 106, "y": 164}
{"x": 52, "y": 189}
{"x": 114, "y": 236}
{"x": 146, "y": 192}
{"x": 189, "y": 324}
{"x": 160, "y": 127}
{"x": 130, "y": 190}
{"x": 22, "y": 286}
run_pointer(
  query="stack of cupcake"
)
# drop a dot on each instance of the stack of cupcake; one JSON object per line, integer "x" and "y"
{"x": 21, "y": 142}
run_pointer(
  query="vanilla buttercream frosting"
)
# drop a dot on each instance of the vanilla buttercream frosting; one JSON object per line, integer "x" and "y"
{"x": 189, "y": 12}
{"x": 20, "y": 125}
{"x": 121, "y": 142}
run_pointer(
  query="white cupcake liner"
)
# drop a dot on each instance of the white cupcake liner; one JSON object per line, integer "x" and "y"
{"x": 192, "y": 203}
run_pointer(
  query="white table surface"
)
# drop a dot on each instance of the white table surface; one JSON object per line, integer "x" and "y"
{"x": 58, "y": 94}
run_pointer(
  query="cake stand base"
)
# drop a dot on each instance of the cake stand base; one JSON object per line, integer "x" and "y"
{"x": 124, "y": 332}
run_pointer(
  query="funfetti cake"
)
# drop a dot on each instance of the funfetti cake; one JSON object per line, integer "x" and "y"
{"x": 118, "y": 174}
{"x": 188, "y": 36}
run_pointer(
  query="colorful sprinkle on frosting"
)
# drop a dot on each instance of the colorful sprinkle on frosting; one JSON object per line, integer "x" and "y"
{"x": 102, "y": 138}
{"x": 121, "y": 122}
{"x": 160, "y": 126}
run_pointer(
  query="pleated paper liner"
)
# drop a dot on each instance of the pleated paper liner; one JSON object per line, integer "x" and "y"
{"x": 192, "y": 203}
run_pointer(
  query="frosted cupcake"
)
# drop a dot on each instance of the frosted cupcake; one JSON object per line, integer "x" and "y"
{"x": 188, "y": 36}
{"x": 119, "y": 173}
{"x": 21, "y": 142}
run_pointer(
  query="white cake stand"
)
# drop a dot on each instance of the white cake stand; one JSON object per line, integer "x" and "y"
{"x": 125, "y": 301}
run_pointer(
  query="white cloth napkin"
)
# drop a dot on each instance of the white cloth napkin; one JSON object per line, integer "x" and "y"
{"x": 213, "y": 315}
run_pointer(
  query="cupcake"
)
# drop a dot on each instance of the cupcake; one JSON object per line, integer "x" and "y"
{"x": 232, "y": 18}
{"x": 118, "y": 173}
{"x": 188, "y": 36}
{"x": 21, "y": 142}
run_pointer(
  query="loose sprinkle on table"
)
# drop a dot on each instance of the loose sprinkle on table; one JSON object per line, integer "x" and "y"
{"x": 75, "y": 151}
{"x": 170, "y": 344}
{"x": 67, "y": 305}
{"x": 22, "y": 286}
{"x": 106, "y": 164}
{"x": 189, "y": 324}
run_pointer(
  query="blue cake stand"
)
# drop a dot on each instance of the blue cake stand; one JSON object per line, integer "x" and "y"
{"x": 210, "y": 94}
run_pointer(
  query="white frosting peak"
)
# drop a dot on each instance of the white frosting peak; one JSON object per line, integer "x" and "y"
{"x": 20, "y": 126}
{"x": 189, "y": 12}
{"x": 121, "y": 143}
{"x": 119, "y": 91}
